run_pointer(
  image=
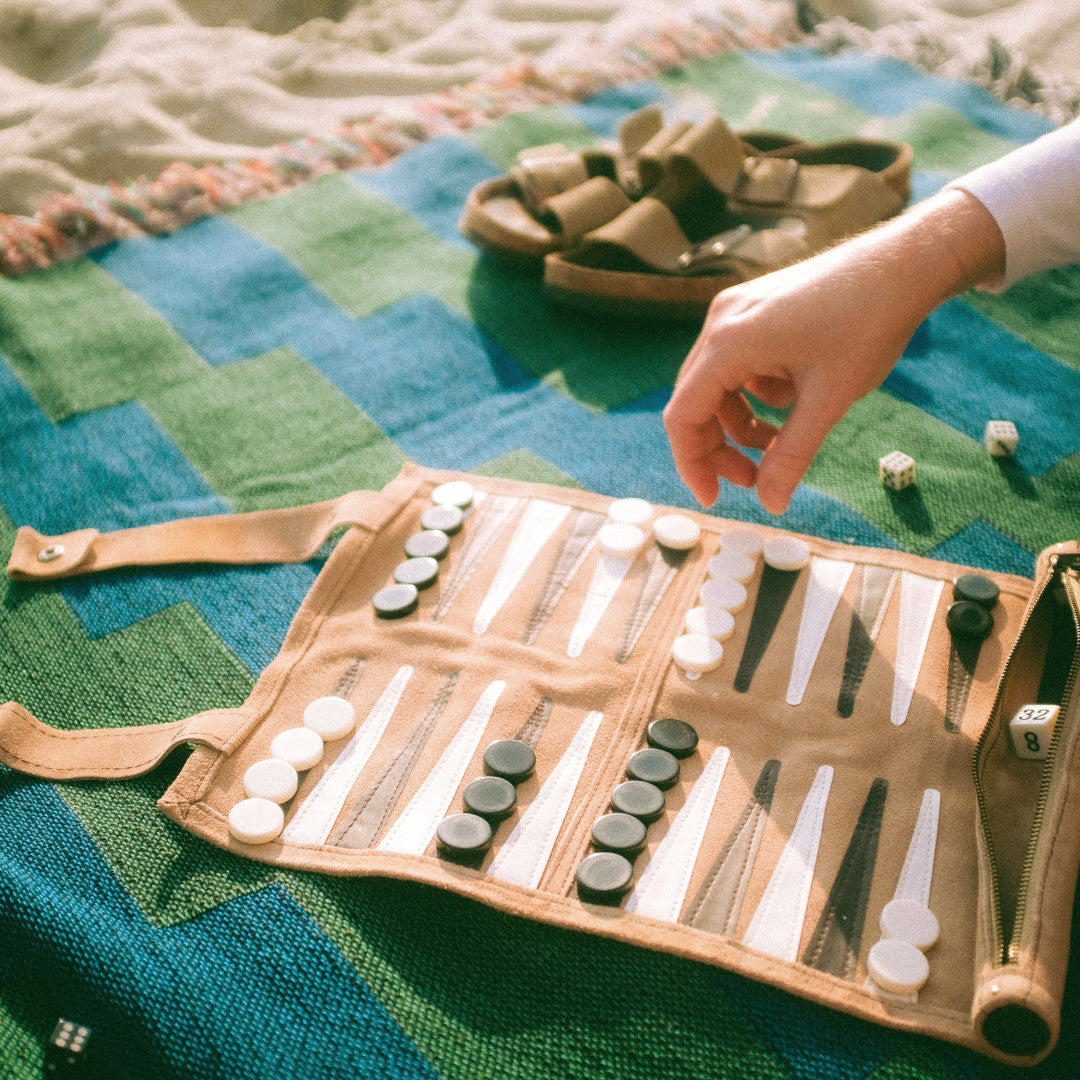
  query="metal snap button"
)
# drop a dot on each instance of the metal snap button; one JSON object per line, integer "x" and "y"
{"x": 48, "y": 554}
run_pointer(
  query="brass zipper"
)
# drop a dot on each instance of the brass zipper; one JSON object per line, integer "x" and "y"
{"x": 1066, "y": 566}
{"x": 1070, "y": 580}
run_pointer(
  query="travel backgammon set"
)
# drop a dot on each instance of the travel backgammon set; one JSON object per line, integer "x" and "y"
{"x": 845, "y": 771}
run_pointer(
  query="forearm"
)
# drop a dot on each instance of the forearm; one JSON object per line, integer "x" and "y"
{"x": 1032, "y": 194}
{"x": 915, "y": 262}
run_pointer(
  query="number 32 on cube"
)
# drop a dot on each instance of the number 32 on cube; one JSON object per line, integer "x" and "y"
{"x": 1031, "y": 730}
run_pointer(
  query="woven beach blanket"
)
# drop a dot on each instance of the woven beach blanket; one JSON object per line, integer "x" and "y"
{"x": 295, "y": 347}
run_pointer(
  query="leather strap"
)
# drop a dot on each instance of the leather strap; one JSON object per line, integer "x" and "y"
{"x": 30, "y": 746}
{"x": 772, "y": 598}
{"x": 291, "y": 535}
{"x": 543, "y": 171}
{"x": 265, "y": 536}
{"x": 585, "y": 207}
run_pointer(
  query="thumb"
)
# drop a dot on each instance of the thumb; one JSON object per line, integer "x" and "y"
{"x": 788, "y": 457}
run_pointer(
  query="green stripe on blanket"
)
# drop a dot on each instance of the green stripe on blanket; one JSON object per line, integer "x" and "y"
{"x": 304, "y": 345}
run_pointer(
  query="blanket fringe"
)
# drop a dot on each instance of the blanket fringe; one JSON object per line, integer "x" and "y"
{"x": 70, "y": 224}
{"x": 986, "y": 62}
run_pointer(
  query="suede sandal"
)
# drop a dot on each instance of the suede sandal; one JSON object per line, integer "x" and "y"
{"x": 711, "y": 222}
{"x": 553, "y": 197}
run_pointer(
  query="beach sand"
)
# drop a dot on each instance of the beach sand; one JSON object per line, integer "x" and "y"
{"x": 93, "y": 91}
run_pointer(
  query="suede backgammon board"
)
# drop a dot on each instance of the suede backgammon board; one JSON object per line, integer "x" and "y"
{"x": 841, "y": 770}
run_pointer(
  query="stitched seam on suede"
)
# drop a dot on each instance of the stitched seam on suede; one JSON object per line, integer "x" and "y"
{"x": 262, "y": 701}
{"x": 640, "y": 700}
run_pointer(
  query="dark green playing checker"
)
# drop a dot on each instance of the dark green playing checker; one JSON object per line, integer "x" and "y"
{"x": 641, "y": 799}
{"x": 463, "y": 837}
{"x": 977, "y": 588}
{"x": 654, "y": 767}
{"x": 491, "y": 797}
{"x": 619, "y": 832}
{"x": 604, "y": 877}
{"x": 511, "y": 759}
{"x": 675, "y": 736}
{"x": 968, "y": 620}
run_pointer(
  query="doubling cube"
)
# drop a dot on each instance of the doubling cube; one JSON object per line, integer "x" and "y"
{"x": 897, "y": 470}
{"x": 1001, "y": 438}
{"x": 1031, "y": 730}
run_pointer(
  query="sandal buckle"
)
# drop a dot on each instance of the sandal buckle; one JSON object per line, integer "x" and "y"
{"x": 766, "y": 181}
{"x": 710, "y": 251}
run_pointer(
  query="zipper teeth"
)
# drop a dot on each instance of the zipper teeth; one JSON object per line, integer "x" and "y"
{"x": 1044, "y": 787}
{"x": 980, "y": 794}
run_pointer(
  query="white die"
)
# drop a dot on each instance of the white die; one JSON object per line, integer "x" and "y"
{"x": 1031, "y": 730}
{"x": 1001, "y": 438}
{"x": 897, "y": 470}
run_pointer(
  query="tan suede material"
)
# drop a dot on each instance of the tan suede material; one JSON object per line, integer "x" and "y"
{"x": 639, "y": 127}
{"x": 647, "y": 232}
{"x": 264, "y": 536}
{"x": 586, "y": 207}
{"x": 336, "y": 625}
{"x": 539, "y": 178}
{"x": 30, "y": 746}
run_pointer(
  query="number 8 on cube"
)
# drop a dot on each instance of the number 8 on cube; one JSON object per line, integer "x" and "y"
{"x": 1031, "y": 730}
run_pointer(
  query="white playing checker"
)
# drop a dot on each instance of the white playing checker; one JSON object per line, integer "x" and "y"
{"x": 696, "y": 654}
{"x": 630, "y": 511}
{"x": 897, "y": 966}
{"x": 271, "y": 779}
{"x": 732, "y": 566}
{"x": 910, "y": 921}
{"x": 712, "y": 622}
{"x": 620, "y": 540}
{"x": 330, "y": 718}
{"x": 676, "y": 531}
{"x": 457, "y": 493}
{"x": 301, "y": 747}
{"x": 1031, "y": 730}
{"x": 743, "y": 541}
{"x": 786, "y": 553}
{"x": 256, "y": 821}
{"x": 726, "y": 594}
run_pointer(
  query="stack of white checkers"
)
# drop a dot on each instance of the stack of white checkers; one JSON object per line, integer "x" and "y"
{"x": 259, "y": 818}
{"x": 630, "y": 521}
{"x": 724, "y": 594}
{"x": 897, "y": 963}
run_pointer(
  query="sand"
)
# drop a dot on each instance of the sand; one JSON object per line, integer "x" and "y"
{"x": 108, "y": 90}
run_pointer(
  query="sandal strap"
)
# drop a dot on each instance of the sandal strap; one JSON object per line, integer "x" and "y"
{"x": 639, "y": 128}
{"x": 588, "y": 206}
{"x": 833, "y": 201}
{"x": 545, "y": 171}
{"x": 645, "y": 234}
{"x": 747, "y": 252}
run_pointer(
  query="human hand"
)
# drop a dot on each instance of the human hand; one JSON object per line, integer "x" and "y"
{"x": 816, "y": 337}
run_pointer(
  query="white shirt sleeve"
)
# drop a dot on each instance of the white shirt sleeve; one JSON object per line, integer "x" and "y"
{"x": 1034, "y": 195}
